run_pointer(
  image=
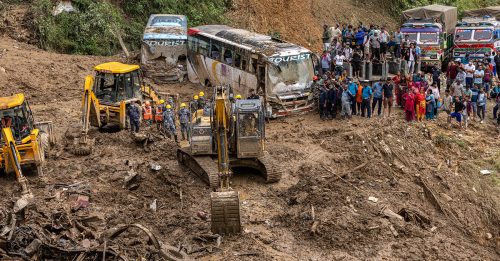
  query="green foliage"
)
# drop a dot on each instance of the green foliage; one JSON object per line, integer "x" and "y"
{"x": 92, "y": 29}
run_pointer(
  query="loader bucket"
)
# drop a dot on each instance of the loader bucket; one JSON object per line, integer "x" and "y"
{"x": 225, "y": 210}
{"x": 83, "y": 146}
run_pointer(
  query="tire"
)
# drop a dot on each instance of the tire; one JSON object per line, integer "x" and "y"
{"x": 44, "y": 144}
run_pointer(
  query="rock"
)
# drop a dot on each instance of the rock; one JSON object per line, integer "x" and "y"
{"x": 489, "y": 236}
{"x": 373, "y": 199}
{"x": 202, "y": 215}
{"x": 445, "y": 196}
{"x": 485, "y": 172}
{"x": 86, "y": 243}
{"x": 152, "y": 206}
{"x": 433, "y": 229}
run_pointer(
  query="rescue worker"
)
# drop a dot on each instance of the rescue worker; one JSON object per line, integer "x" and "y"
{"x": 169, "y": 122}
{"x": 134, "y": 115}
{"x": 159, "y": 113}
{"x": 147, "y": 113}
{"x": 238, "y": 97}
{"x": 184, "y": 116}
{"x": 194, "y": 103}
{"x": 201, "y": 100}
{"x": 171, "y": 102}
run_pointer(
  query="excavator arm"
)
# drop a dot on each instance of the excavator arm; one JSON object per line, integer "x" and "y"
{"x": 90, "y": 116}
{"x": 13, "y": 163}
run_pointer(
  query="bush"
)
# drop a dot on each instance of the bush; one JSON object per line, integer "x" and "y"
{"x": 92, "y": 29}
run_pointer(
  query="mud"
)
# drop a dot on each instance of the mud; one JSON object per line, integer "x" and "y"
{"x": 423, "y": 172}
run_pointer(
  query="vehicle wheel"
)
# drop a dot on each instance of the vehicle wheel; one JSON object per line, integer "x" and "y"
{"x": 44, "y": 144}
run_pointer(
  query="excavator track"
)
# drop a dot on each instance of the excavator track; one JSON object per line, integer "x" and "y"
{"x": 271, "y": 171}
{"x": 203, "y": 166}
{"x": 225, "y": 212}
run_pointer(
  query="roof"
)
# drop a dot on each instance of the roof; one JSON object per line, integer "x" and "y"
{"x": 116, "y": 67}
{"x": 11, "y": 101}
{"x": 493, "y": 11}
{"x": 250, "y": 40}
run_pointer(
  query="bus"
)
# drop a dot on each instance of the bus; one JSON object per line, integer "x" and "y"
{"x": 163, "y": 49}
{"x": 280, "y": 72}
{"x": 476, "y": 36}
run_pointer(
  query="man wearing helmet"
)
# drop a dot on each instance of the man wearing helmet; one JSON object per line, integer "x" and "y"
{"x": 184, "y": 116}
{"x": 169, "y": 122}
{"x": 201, "y": 100}
{"x": 160, "y": 107}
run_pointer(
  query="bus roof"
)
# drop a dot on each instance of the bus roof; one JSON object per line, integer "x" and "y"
{"x": 249, "y": 40}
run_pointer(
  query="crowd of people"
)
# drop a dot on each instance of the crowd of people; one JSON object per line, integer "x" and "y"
{"x": 468, "y": 87}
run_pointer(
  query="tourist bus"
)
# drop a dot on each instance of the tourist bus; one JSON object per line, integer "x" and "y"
{"x": 163, "y": 49}
{"x": 280, "y": 72}
{"x": 476, "y": 36}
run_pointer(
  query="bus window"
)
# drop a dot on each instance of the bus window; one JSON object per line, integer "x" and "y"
{"x": 237, "y": 60}
{"x": 228, "y": 57}
{"x": 204, "y": 47}
{"x": 244, "y": 64}
{"x": 193, "y": 44}
{"x": 253, "y": 65}
{"x": 215, "y": 52}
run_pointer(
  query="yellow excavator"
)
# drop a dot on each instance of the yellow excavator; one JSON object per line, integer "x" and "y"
{"x": 227, "y": 135}
{"x": 24, "y": 142}
{"x": 106, "y": 96}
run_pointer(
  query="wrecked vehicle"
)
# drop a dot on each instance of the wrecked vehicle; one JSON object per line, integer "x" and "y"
{"x": 163, "y": 48}
{"x": 280, "y": 72}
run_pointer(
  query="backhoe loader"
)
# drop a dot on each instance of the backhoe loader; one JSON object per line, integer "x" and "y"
{"x": 105, "y": 99}
{"x": 24, "y": 142}
{"x": 227, "y": 135}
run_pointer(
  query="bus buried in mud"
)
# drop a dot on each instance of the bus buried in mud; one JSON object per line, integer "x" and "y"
{"x": 279, "y": 71}
{"x": 476, "y": 36}
{"x": 163, "y": 50}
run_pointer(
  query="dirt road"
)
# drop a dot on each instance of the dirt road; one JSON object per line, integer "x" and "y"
{"x": 428, "y": 174}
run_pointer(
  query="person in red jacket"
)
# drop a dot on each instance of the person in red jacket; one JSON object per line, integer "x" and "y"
{"x": 409, "y": 104}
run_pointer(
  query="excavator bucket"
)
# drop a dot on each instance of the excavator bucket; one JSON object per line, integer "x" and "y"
{"x": 225, "y": 210}
{"x": 83, "y": 146}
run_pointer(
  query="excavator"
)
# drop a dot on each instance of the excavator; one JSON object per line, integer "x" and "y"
{"x": 106, "y": 96}
{"x": 227, "y": 135}
{"x": 24, "y": 143}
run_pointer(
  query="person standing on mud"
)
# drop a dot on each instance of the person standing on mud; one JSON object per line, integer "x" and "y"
{"x": 184, "y": 116}
{"x": 193, "y": 105}
{"x": 253, "y": 95}
{"x": 352, "y": 90}
{"x": 409, "y": 104}
{"x": 377, "y": 97}
{"x": 346, "y": 103}
{"x": 201, "y": 100}
{"x": 134, "y": 115}
{"x": 147, "y": 113}
{"x": 387, "y": 96}
{"x": 169, "y": 122}
{"x": 366, "y": 95}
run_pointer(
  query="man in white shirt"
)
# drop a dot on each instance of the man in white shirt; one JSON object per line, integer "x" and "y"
{"x": 478, "y": 76}
{"x": 469, "y": 73}
{"x": 339, "y": 64}
{"x": 336, "y": 32}
{"x": 384, "y": 39}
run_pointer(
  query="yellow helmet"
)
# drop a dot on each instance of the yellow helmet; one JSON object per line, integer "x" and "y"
{"x": 201, "y": 94}
{"x": 183, "y": 105}
{"x": 169, "y": 107}
{"x": 238, "y": 97}
{"x": 162, "y": 101}
{"x": 196, "y": 97}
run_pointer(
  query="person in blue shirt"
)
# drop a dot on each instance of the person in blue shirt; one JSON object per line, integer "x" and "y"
{"x": 360, "y": 37}
{"x": 352, "y": 90}
{"x": 473, "y": 100}
{"x": 367, "y": 93}
{"x": 377, "y": 97}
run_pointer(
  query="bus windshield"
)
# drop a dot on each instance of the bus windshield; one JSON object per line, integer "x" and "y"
{"x": 482, "y": 34}
{"x": 428, "y": 38}
{"x": 463, "y": 35}
{"x": 291, "y": 75}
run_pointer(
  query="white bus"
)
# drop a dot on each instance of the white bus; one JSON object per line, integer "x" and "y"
{"x": 279, "y": 71}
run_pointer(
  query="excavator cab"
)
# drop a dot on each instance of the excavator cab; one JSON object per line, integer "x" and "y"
{"x": 111, "y": 88}
{"x": 250, "y": 128}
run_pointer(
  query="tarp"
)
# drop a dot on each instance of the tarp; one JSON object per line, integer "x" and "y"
{"x": 493, "y": 11}
{"x": 446, "y": 15}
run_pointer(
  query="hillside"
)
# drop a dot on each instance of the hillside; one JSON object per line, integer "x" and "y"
{"x": 302, "y": 21}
